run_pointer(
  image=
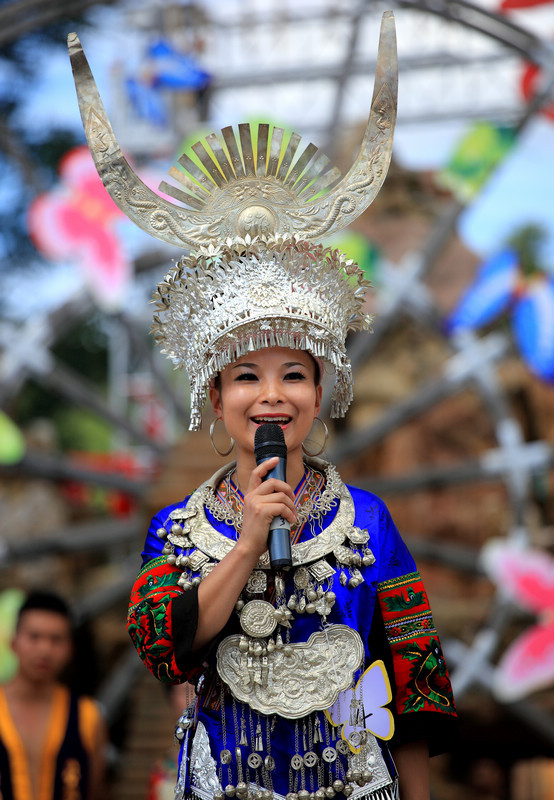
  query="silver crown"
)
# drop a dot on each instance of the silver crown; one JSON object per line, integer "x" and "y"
{"x": 254, "y": 281}
{"x": 217, "y": 305}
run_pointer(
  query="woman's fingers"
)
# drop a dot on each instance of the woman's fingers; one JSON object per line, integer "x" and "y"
{"x": 258, "y": 485}
{"x": 264, "y": 500}
{"x": 258, "y": 474}
{"x": 278, "y": 504}
{"x": 272, "y": 491}
{"x": 272, "y": 485}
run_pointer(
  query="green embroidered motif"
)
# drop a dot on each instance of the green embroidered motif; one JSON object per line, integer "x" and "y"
{"x": 158, "y": 582}
{"x": 429, "y": 686}
{"x": 399, "y": 603}
{"x": 149, "y": 622}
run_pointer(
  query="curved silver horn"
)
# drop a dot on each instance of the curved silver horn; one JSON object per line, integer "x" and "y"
{"x": 360, "y": 186}
{"x": 148, "y": 210}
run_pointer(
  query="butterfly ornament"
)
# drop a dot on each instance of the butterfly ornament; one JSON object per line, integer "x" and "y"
{"x": 362, "y": 708}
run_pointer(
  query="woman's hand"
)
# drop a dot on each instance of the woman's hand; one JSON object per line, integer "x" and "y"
{"x": 220, "y": 590}
{"x": 263, "y": 501}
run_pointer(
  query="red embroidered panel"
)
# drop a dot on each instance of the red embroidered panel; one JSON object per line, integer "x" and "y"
{"x": 149, "y": 620}
{"x": 419, "y": 667}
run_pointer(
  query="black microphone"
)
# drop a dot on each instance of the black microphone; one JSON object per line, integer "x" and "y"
{"x": 269, "y": 441}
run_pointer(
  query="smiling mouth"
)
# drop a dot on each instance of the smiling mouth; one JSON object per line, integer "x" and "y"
{"x": 284, "y": 420}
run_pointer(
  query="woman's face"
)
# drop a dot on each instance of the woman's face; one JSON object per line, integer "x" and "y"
{"x": 276, "y": 385}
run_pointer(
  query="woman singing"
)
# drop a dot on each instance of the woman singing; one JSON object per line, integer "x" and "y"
{"x": 292, "y": 667}
{"x": 326, "y": 678}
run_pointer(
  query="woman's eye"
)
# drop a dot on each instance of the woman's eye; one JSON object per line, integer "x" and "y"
{"x": 246, "y": 376}
{"x": 295, "y": 376}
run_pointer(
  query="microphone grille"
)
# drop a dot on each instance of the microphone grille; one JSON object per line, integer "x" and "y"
{"x": 269, "y": 441}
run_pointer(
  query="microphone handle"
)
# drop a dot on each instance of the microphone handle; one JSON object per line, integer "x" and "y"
{"x": 278, "y": 540}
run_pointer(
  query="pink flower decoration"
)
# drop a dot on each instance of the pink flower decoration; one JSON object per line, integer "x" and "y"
{"x": 76, "y": 220}
{"x": 527, "y": 578}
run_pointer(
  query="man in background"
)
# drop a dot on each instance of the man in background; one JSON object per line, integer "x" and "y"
{"x": 51, "y": 742}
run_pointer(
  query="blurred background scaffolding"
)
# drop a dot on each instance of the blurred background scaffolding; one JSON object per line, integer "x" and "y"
{"x": 453, "y": 418}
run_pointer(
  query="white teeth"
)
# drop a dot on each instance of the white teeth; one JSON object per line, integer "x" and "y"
{"x": 275, "y": 420}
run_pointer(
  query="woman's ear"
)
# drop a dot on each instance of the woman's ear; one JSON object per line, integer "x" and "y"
{"x": 215, "y": 400}
{"x": 318, "y": 393}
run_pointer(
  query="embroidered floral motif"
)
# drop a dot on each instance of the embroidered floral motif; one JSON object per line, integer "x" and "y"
{"x": 410, "y": 628}
{"x": 149, "y": 624}
{"x": 428, "y": 685}
{"x": 419, "y": 667}
{"x": 399, "y": 602}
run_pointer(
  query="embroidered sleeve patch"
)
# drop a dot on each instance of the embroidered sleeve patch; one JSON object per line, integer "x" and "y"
{"x": 149, "y": 619}
{"x": 420, "y": 670}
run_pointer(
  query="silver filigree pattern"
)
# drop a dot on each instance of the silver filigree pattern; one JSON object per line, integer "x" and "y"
{"x": 257, "y": 582}
{"x": 304, "y": 677}
{"x": 197, "y": 560}
{"x": 370, "y": 756}
{"x": 216, "y": 545}
{"x": 313, "y": 507}
{"x": 257, "y": 618}
{"x": 321, "y": 570}
{"x": 301, "y": 578}
{"x": 358, "y": 536}
{"x": 283, "y": 190}
{"x": 244, "y": 295}
{"x": 204, "y": 778}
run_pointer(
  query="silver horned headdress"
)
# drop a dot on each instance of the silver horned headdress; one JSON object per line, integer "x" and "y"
{"x": 250, "y": 213}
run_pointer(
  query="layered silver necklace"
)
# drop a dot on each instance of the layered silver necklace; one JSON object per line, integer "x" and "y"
{"x": 312, "y": 507}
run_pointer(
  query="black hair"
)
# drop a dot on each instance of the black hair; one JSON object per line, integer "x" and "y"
{"x": 45, "y": 601}
{"x": 317, "y": 370}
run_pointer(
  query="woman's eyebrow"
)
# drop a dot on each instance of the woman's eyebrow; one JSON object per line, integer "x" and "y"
{"x": 253, "y": 365}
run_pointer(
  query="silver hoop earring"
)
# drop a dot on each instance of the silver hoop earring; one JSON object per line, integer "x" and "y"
{"x": 324, "y": 445}
{"x": 219, "y": 452}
